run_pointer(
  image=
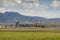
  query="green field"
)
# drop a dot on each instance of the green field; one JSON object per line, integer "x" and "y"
{"x": 21, "y": 35}
{"x": 29, "y": 36}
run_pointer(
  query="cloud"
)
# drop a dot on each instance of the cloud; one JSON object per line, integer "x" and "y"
{"x": 31, "y": 7}
{"x": 26, "y": 7}
{"x": 20, "y": 4}
{"x": 7, "y": 3}
{"x": 30, "y": 3}
{"x": 18, "y": 1}
{"x": 55, "y": 4}
{"x": 2, "y": 10}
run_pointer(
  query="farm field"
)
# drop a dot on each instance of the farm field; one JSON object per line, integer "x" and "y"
{"x": 31, "y": 34}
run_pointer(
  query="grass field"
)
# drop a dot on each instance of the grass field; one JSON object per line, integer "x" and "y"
{"x": 12, "y": 34}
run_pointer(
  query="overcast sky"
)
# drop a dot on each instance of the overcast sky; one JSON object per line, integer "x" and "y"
{"x": 42, "y": 8}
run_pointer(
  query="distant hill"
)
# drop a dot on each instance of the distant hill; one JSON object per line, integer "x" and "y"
{"x": 14, "y": 17}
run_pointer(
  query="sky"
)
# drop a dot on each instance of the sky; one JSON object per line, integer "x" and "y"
{"x": 41, "y": 8}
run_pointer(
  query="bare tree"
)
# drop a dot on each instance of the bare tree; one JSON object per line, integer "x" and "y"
{"x": 17, "y": 24}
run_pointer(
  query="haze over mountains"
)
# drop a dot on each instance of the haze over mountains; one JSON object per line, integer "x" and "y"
{"x": 14, "y": 17}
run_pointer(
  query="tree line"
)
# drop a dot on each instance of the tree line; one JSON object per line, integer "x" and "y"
{"x": 29, "y": 25}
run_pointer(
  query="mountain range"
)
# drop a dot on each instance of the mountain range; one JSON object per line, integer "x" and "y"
{"x": 14, "y": 17}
